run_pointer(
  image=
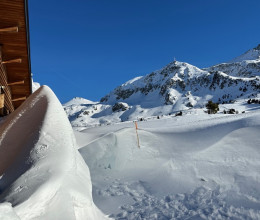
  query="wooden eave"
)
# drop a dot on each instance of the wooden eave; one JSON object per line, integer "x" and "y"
{"x": 15, "y": 64}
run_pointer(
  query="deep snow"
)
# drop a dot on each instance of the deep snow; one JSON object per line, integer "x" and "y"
{"x": 42, "y": 174}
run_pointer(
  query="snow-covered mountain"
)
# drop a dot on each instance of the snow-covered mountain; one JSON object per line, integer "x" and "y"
{"x": 183, "y": 82}
{"x": 252, "y": 54}
{"x": 178, "y": 86}
{"x": 246, "y": 65}
{"x": 80, "y": 101}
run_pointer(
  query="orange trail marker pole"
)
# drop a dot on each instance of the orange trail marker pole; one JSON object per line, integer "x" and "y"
{"x": 136, "y": 128}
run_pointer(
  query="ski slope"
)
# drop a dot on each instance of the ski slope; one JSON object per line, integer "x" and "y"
{"x": 197, "y": 166}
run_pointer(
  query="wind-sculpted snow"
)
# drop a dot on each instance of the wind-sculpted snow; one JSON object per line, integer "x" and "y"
{"x": 190, "y": 167}
{"x": 43, "y": 175}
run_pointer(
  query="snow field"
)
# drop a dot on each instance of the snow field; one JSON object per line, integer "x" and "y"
{"x": 188, "y": 167}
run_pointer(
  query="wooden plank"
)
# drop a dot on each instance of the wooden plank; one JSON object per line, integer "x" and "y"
{"x": 9, "y": 30}
{"x": 16, "y": 83}
{"x": 19, "y": 99}
{"x": 19, "y": 60}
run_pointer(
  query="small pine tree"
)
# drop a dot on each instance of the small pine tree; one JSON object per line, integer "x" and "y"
{"x": 212, "y": 107}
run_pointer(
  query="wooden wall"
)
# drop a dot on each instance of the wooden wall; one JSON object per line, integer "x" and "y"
{"x": 15, "y": 61}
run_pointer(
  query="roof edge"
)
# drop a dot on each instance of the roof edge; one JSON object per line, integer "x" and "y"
{"x": 26, "y": 12}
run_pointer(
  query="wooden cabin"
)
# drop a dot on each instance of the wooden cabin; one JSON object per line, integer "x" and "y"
{"x": 15, "y": 66}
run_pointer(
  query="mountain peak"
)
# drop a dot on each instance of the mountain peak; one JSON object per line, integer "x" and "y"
{"x": 78, "y": 101}
{"x": 258, "y": 47}
{"x": 253, "y": 54}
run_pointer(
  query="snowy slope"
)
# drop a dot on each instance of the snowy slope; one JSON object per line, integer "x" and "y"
{"x": 191, "y": 167}
{"x": 42, "y": 174}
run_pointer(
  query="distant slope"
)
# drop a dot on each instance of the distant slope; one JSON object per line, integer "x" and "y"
{"x": 43, "y": 175}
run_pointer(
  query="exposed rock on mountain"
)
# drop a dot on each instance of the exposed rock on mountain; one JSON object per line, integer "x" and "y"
{"x": 180, "y": 81}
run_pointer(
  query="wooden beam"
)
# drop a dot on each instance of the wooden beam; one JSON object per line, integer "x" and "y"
{"x": 19, "y": 99}
{"x": 19, "y": 60}
{"x": 9, "y": 30}
{"x": 16, "y": 83}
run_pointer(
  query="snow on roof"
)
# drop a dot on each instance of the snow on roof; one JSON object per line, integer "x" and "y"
{"x": 42, "y": 171}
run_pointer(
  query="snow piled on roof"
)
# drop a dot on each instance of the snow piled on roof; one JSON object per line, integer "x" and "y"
{"x": 35, "y": 85}
{"x": 42, "y": 174}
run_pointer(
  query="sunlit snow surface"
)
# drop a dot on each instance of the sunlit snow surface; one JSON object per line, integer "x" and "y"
{"x": 42, "y": 174}
{"x": 197, "y": 166}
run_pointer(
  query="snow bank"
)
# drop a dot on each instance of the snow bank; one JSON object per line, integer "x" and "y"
{"x": 43, "y": 175}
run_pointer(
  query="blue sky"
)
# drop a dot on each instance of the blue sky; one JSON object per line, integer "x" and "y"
{"x": 86, "y": 48}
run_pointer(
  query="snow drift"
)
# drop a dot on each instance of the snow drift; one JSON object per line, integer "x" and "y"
{"x": 190, "y": 167}
{"x": 43, "y": 175}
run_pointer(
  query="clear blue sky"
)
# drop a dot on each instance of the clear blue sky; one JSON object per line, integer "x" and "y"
{"x": 86, "y": 48}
